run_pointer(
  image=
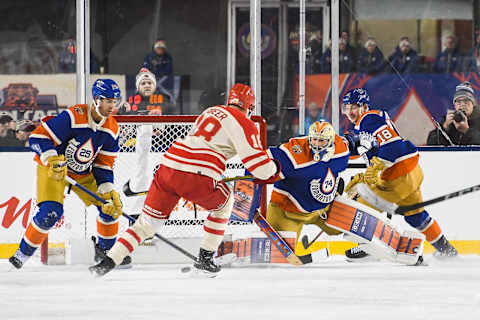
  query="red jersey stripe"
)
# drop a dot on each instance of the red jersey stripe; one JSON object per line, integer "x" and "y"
{"x": 256, "y": 155}
{"x": 193, "y": 164}
{"x": 197, "y": 156}
{"x": 200, "y": 149}
{"x": 261, "y": 163}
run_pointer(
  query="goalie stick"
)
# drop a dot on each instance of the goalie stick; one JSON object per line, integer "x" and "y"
{"x": 132, "y": 219}
{"x": 129, "y": 193}
{"x": 280, "y": 243}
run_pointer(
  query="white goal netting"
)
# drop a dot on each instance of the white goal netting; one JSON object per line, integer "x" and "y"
{"x": 143, "y": 141}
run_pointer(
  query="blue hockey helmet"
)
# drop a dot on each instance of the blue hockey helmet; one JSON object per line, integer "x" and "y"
{"x": 106, "y": 89}
{"x": 358, "y": 96}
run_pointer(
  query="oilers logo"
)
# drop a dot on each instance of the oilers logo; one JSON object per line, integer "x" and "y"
{"x": 324, "y": 191}
{"x": 79, "y": 156}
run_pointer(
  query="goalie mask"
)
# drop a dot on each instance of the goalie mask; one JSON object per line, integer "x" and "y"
{"x": 321, "y": 137}
{"x": 242, "y": 96}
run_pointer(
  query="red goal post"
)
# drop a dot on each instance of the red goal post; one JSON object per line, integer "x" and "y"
{"x": 79, "y": 223}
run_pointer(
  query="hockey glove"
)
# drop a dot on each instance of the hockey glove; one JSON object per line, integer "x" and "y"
{"x": 374, "y": 172}
{"x": 113, "y": 207}
{"x": 57, "y": 167}
{"x": 273, "y": 178}
{"x": 350, "y": 190}
{"x": 323, "y": 213}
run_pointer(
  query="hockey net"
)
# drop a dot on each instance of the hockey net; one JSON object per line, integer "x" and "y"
{"x": 186, "y": 220}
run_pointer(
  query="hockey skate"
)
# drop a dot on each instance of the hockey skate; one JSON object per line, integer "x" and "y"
{"x": 205, "y": 264}
{"x": 356, "y": 254}
{"x": 18, "y": 259}
{"x": 444, "y": 249}
{"x": 101, "y": 254}
{"x": 102, "y": 268}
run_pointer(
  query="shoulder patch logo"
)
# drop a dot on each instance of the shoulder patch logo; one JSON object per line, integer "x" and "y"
{"x": 296, "y": 149}
{"x": 78, "y": 110}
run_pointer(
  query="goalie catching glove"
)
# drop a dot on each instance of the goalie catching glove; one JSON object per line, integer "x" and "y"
{"x": 57, "y": 167}
{"x": 113, "y": 206}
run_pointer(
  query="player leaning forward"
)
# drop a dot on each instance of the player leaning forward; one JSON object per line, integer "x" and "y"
{"x": 82, "y": 142}
{"x": 192, "y": 168}
{"x": 394, "y": 174}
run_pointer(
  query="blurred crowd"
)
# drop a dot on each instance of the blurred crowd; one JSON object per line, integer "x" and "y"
{"x": 370, "y": 58}
{"x": 15, "y": 133}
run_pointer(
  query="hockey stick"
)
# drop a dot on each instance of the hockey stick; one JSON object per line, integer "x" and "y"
{"x": 96, "y": 197}
{"x": 129, "y": 193}
{"x": 365, "y": 192}
{"x": 401, "y": 210}
{"x": 307, "y": 244}
{"x": 280, "y": 243}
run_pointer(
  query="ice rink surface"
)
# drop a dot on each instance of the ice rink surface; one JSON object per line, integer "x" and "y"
{"x": 332, "y": 290}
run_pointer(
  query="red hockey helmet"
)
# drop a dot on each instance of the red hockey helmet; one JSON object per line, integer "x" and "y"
{"x": 242, "y": 96}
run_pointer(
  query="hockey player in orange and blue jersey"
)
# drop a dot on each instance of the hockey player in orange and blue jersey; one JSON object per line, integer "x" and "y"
{"x": 81, "y": 142}
{"x": 393, "y": 173}
{"x": 308, "y": 182}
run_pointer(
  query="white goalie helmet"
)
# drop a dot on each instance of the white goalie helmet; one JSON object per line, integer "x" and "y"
{"x": 321, "y": 136}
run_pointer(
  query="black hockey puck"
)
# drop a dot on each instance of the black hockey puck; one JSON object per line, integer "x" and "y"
{"x": 186, "y": 269}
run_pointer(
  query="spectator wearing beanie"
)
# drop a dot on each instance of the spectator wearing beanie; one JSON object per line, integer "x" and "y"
{"x": 461, "y": 125}
{"x": 145, "y": 101}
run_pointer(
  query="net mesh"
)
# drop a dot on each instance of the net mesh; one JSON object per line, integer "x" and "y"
{"x": 142, "y": 144}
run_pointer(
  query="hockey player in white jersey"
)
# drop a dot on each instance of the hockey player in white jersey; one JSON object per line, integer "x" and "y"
{"x": 192, "y": 169}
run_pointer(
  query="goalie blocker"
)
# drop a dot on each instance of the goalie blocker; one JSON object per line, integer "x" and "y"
{"x": 377, "y": 235}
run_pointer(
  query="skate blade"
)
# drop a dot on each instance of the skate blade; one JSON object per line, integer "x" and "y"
{"x": 368, "y": 258}
{"x": 195, "y": 273}
{"x": 226, "y": 260}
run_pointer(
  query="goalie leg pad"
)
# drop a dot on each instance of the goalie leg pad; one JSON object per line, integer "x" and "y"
{"x": 215, "y": 225}
{"x": 367, "y": 226}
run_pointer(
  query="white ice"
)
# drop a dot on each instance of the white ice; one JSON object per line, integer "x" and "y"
{"x": 332, "y": 290}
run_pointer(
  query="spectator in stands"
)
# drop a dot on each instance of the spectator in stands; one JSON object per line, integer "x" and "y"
{"x": 145, "y": 101}
{"x": 159, "y": 61}
{"x": 24, "y": 129}
{"x": 345, "y": 58}
{"x": 461, "y": 126}
{"x": 404, "y": 59}
{"x": 471, "y": 62}
{"x": 313, "y": 113}
{"x": 352, "y": 50}
{"x": 7, "y": 130}
{"x": 449, "y": 60}
{"x": 370, "y": 60}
